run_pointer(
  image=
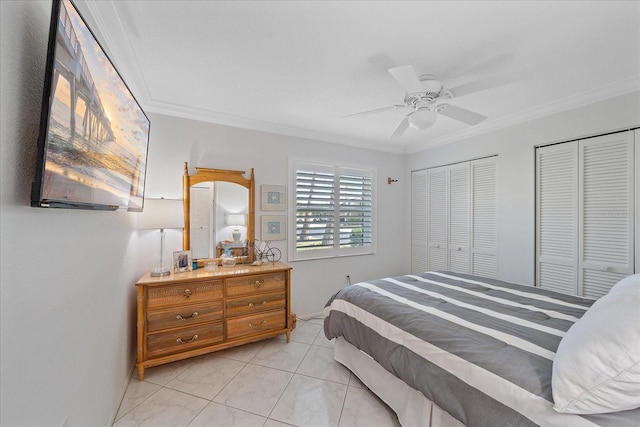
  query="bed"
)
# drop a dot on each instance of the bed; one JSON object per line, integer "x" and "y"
{"x": 450, "y": 349}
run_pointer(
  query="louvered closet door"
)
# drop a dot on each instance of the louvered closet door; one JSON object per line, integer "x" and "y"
{"x": 606, "y": 241}
{"x": 437, "y": 219}
{"x": 484, "y": 227}
{"x": 419, "y": 222}
{"x": 557, "y": 217}
{"x": 459, "y": 211}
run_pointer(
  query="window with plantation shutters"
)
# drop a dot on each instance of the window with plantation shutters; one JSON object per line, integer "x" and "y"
{"x": 333, "y": 211}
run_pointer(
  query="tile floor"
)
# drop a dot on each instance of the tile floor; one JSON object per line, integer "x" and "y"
{"x": 269, "y": 383}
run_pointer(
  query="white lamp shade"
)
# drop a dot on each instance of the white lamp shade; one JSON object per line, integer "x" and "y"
{"x": 235, "y": 219}
{"x": 161, "y": 214}
{"x": 422, "y": 118}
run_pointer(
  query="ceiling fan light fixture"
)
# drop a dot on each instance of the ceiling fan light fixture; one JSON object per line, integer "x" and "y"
{"x": 422, "y": 118}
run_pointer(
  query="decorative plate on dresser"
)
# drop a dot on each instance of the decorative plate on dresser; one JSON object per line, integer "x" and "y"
{"x": 189, "y": 314}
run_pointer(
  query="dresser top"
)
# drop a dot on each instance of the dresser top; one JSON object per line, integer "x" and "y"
{"x": 220, "y": 272}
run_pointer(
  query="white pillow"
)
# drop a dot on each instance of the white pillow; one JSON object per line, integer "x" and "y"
{"x": 597, "y": 365}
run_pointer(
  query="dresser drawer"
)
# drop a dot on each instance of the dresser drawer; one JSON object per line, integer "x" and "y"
{"x": 163, "y": 296}
{"x": 255, "y": 304}
{"x": 256, "y": 324}
{"x": 174, "y": 317}
{"x": 180, "y": 340}
{"x": 258, "y": 283}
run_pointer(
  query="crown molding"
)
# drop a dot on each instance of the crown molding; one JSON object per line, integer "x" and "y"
{"x": 224, "y": 119}
{"x": 605, "y": 92}
{"x": 612, "y": 90}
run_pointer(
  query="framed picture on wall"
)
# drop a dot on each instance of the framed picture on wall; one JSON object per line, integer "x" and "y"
{"x": 274, "y": 227}
{"x": 274, "y": 197}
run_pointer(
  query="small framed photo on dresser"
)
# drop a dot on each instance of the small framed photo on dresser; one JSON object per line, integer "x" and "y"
{"x": 181, "y": 261}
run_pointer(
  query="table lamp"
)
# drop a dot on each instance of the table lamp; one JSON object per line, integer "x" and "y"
{"x": 236, "y": 220}
{"x": 162, "y": 214}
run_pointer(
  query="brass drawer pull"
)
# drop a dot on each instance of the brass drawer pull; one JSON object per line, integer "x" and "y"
{"x": 187, "y": 293}
{"x": 257, "y": 284}
{"x": 180, "y": 341}
{"x": 263, "y": 323}
{"x": 252, "y": 305}
{"x": 193, "y": 316}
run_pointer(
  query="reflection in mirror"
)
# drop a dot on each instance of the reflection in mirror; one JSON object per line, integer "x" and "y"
{"x": 218, "y": 216}
{"x": 218, "y": 213}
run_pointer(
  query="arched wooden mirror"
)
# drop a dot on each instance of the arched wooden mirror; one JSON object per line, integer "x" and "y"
{"x": 219, "y": 213}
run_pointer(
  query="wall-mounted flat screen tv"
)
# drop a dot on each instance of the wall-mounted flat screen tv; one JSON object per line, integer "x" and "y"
{"x": 92, "y": 145}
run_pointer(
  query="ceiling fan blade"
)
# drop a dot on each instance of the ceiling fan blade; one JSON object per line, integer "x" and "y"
{"x": 488, "y": 82}
{"x": 461, "y": 114}
{"x": 377, "y": 110}
{"x": 407, "y": 77}
{"x": 402, "y": 127}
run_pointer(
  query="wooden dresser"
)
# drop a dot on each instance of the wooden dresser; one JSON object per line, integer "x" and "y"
{"x": 188, "y": 314}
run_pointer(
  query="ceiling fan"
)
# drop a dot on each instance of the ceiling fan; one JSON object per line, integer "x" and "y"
{"x": 424, "y": 96}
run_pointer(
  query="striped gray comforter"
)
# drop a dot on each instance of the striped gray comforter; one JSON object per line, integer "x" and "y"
{"x": 480, "y": 349}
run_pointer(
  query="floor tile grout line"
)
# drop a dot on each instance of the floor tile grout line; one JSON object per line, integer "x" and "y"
{"x": 160, "y": 387}
{"x": 288, "y": 382}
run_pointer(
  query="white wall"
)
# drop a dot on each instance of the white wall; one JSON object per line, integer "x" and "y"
{"x": 515, "y": 147}
{"x": 66, "y": 277}
{"x": 176, "y": 140}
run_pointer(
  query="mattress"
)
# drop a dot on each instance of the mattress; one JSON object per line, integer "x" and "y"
{"x": 480, "y": 349}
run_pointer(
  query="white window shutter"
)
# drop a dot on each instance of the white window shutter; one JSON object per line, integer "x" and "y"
{"x": 355, "y": 209}
{"x": 419, "y": 222}
{"x": 437, "y": 224}
{"x": 459, "y": 208}
{"x": 315, "y": 208}
{"x": 606, "y": 238}
{"x": 484, "y": 227}
{"x": 557, "y": 217}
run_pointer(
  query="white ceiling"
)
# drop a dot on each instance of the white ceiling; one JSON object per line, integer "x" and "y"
{"x": 297, "y": 67}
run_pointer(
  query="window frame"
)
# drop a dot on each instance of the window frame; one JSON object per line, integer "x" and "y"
{"x": 335, "y": 251}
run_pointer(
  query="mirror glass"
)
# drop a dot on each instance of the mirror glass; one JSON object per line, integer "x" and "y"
{"x": 219, "y": 213}
{"x": 218, "y": 216}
